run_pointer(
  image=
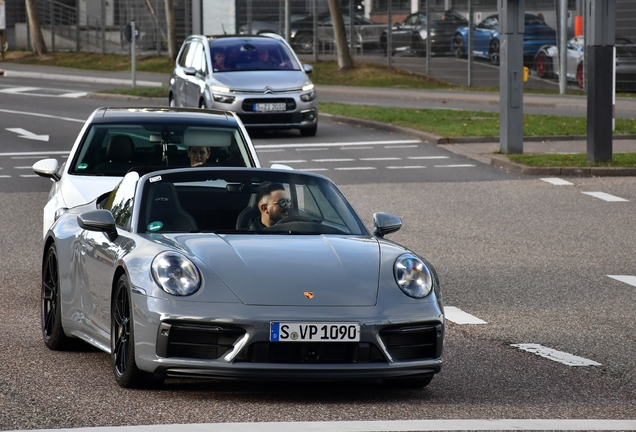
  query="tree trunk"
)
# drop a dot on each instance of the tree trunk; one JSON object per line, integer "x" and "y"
{"x": 342, "y": 48}
{"x": 39, "y": 47}
{"x": 172, "y": 43}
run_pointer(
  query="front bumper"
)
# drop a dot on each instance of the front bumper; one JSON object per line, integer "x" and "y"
{"x": 396, "y": 342}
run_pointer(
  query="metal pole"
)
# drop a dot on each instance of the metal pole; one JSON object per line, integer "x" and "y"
{"x": 469, "y": 48}
{"x": 249, "y": 17}
{"x": 389, "y": 38}
{"x": 133, "y": 57}
{"x": 52, "y": 19}
{"x": 287, "y": 22}
{"x": 428, "y": 35}
{"x": 352, "y": 30}
{"x": 314, "y": 12}
{"x": 103, "y": 20}
{"x": 563, "y": 41}
{"x": 77, "y": 26}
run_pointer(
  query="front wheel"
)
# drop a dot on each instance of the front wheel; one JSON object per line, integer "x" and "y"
{"x": 122, "y": 342}
{"x": 309, "y": 131}
{"x": 418, "y": 46}
{"x": 52, "y": 330}
{"x": 383, "y": 44}
{"x": 493, "y": 52}
{"x": 171, "y": 102}
{"x": 202, "y": 104}
{"x": 458, "y": 46}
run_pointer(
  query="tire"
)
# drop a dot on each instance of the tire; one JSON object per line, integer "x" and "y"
{"x": 309, "y": 131}
{"x": 542, "y": 66}
{"x": 416, "y": 382}
{"x": 171, "y": 102}
{"x": 383, "y": 44}
{"x": 52, "y": 330}
{"x": 122, "y": 342}
{"x": 580, "y": 76}
{"x": 304, "y": 43}
{"x": 202, "y": 104}
{"x": 458, "y": 46}
{"x": 493, "y": 52}
{"x": 418, "y": 46}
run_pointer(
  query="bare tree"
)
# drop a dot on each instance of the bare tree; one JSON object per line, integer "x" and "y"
{"x": 172, "y": 38}
{"x": 344, "y": 55}
{"x": 39, "y": 47}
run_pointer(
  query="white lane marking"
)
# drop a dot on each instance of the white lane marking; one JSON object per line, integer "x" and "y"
{"x": 454, "y": 166}
{"x": 388, "y": 426}
{"x": 309, "y": 149}
{"x": 402, "y": 146}
{"x": 354, "y": 168}
{"x": 557, "y": 181}
{"x": 427, "y": 157}
{"x": 23, "y": 167}
{"x": 333, "y": 160}
{"x": 5, "y": 176}
{"x": 458, "y": 316}
{"x": 25, "y": 157}
{"x": 29, "y": 175}
{"x": 43, "y": 115}
{"x": 72, "y": 95}
{"x": 631, "y": 280}
{"x": 271, "y": 151}
{"x": 63, "y": 153}
{"x": 406, "y": 167}
{"x": 32, "y": 91}
{"x": 70, "y": 77}
{"x": 340, "y": 144}
{"x": 23, "y": 133}
{"x": 557, "y": 356}
{"x": 605, "y": 196}
{"x": 312, "y": 169}
{"x": 381, "y": 159}
{"x": 356, "y": 148}
{"x": 15, "y": 90}
{"x": 288, "y": 161}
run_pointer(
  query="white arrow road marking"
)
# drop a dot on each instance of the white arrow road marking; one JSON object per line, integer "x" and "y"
{"x": 458, "y": 316}
{"x": 605, "y": 196}
{"x": 557, "y": 356}
{"x": 631, "y": 280}
{"x": 22, "y": 133}
{"x": 557, "y": 181}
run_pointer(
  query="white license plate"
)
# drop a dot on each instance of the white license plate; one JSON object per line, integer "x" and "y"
{"x": 314, "y": 332}
{"x": 261, "y": 107}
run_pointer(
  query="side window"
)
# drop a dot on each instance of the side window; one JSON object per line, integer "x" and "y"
{"x": 120, "y": 201}
{"x": 181, "y": 61}
{"x": 199, "y": 61}
{"x": 189, "y": 58}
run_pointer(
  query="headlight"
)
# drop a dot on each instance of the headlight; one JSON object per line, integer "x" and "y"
{"x": 220, "y": 89}
{"x": 175, "y": 274}
{"x": 412, "y": 276}
{"x": 308, "y": 97}
{"x": 308, "y": 87}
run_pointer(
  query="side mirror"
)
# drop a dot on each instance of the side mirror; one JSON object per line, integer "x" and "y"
{"x": 385, "y": 223}
{"x": 190, "y": 71}
{"x": 98, "y": 220}
{"x": 308, "y": 68}
{"x": 47, "y": 168}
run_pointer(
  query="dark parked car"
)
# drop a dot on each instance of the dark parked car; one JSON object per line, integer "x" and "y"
{"x": 167, "y": 276}
{"x": 487, "y": 40}
{"x": 411, "y": 34}
{"x": 258, "y": 77}
{"x": 547, "y": 62}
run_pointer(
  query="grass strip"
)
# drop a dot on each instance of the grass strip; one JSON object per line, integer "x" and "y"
{"x": 572, "y": 160}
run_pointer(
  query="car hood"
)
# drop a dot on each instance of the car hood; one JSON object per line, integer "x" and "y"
{"x": 282, "y": 270}
{"x": 259, "y": 81}
{"x": 78, "y": 190}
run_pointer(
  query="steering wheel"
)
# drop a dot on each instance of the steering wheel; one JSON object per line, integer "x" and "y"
{"x": 293, "y": 218}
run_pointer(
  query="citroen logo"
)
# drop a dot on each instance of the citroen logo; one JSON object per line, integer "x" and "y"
{"x": 309, "y": 294}
{"x": 268, "y": 90}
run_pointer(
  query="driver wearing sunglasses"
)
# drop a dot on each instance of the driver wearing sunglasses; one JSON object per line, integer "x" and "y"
{"x": 273, "y": 204}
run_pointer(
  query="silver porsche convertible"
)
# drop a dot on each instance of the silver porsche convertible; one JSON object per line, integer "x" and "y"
{"x": 179, "y": 273}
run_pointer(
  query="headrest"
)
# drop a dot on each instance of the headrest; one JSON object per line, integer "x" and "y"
{"x": 120, "y": 148}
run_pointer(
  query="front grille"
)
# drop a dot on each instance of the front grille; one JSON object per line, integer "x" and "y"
{"x": 196, "y": 341}
{"x": 248, "y": 104}
{"x": 312, "y": 352}
{"x": 413, "y": 342}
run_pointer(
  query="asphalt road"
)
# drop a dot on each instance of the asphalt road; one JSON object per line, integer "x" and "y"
{"x": 536, "y": 262}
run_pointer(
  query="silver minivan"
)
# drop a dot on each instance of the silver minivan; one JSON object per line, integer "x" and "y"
{"x": 258, "y": 77}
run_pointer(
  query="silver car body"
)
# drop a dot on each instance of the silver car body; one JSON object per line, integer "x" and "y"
{"x": 320, "y": 268}
{"x": 278, "y": 95}
{"x": 75, "y": 181}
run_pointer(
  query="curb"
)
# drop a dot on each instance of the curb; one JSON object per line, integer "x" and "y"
{"x": 499, "y": 161}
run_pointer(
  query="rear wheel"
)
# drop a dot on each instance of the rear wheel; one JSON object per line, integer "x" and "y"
{"x": 383, "y": 43}
{"x": 418, "y": 46}
{"x": 493, "y": 51}
{"x": 304, "y": 43}
{"x": 580, "y": 76}
{"x": 52, "y": 330}
{"x": 416, "y": 382}
{"x": 122, "y": 342}
{"x": 542, "y": 66}
{"x": 458, "y": 46}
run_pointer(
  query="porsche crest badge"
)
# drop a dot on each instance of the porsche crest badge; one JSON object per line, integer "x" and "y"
{"x": 309, "y": 294}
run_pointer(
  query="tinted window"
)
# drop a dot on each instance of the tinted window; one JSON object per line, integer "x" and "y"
{"x": 243, "y": 54}
{"x": 120, "y": 201}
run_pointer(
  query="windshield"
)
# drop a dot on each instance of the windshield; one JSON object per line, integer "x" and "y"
{"x": 112, "y": 149}
{"x": 245, "y": 201}
{"x": 245, "y": 54}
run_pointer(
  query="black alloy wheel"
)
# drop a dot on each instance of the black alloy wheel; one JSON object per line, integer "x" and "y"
{"x": 458, "y": 46}
{"x": 122, "y": 342}
{"x": 304, "y": 43}
{"x": 418, "y": 46}
{"x": 52, "y": 330}
{"x": 493, "y": 51}
{"x": 384, "y": 43}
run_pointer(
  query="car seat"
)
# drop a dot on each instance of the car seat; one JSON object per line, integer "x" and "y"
{"x": 119, "y": 155}
{"x": 165, "y": 212}
{"x": 246, "y": 215}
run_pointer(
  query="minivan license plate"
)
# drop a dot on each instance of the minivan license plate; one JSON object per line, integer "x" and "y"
{"x": 314, "y": 332}
{"x": 264, "y": 107}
